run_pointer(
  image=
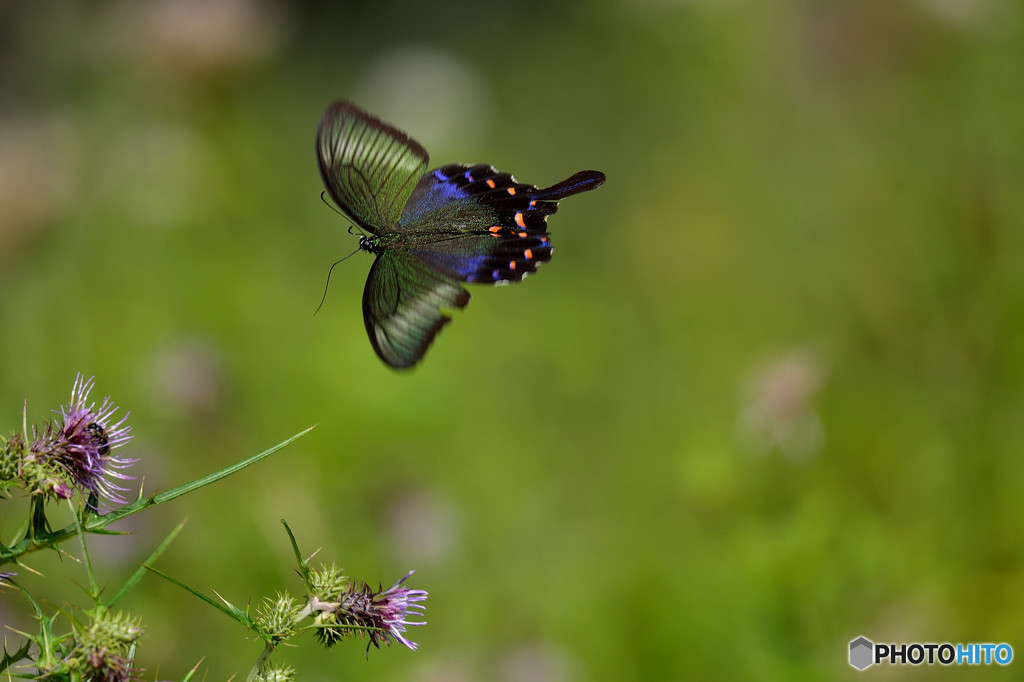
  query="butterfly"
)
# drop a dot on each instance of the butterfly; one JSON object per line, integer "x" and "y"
{"x": 430, "y": 231}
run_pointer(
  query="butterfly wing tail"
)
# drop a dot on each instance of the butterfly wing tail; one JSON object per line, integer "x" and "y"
{"x": 583, "y": 181}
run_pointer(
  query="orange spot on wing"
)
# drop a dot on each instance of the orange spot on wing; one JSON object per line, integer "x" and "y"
{"x": 511, "y": 265}
{"x": 529, "y": 254}
{"x": 522, "y": 234}
{"x": 512, "y": 190}
{"x": 533, "y": 202}
{"x": 490, "y": 183}
{"x": 494, "y": 229}
{"x": 519, "y": 220}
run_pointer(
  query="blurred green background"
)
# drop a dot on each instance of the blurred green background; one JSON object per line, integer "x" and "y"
{"x": 766, "y": 398}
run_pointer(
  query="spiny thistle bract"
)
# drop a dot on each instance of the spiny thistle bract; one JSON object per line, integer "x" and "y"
{"x": 276, "y": 618}
{"x": 101, "y": 651}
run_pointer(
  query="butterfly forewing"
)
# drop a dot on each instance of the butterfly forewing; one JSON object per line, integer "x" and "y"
{"x": 369, "y": 167}
{"x": 401, "y": 306}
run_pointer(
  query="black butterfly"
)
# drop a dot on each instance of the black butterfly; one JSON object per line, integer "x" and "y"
{"x": 430, "y": 231}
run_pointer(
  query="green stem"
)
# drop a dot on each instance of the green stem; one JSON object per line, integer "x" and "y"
{"x": 94, "y": 523}
{"x": 257, "y": 668}
{"x": 94, "y": 587}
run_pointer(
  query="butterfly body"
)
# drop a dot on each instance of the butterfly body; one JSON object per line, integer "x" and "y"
{"x": 430, "y": 231}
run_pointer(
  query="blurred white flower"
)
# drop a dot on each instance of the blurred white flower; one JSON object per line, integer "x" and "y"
{"x": 439, "y": 670}
{"x": 536, "y": 663}
{"x": 973, "y": 14}
{"x": 430, "y": 94}
{"x": 38, "y": 161}
{"x": 422, "y": 527}
{"x": 778, "y": 407}
{"x": 189, "y": 379}
{"x": 199, "y": 37}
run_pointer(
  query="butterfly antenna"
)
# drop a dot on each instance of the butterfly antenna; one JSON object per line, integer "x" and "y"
{"x": 329, "y": 279}
{"x": 341, "y": 213}
{"x": 331, "y": 206}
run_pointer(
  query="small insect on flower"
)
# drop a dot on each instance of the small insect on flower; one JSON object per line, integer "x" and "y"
{"x": 99, "y": 434}
{"x": 82, "y": 442}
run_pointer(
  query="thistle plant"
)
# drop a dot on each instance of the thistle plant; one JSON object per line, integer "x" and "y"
{"x": 76, "y": 459}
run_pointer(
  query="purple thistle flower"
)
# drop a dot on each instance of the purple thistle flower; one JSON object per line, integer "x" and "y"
{"x": 82, "y": 441}
{"x": 383, "y": 612}
{"x": 392, "y": 606}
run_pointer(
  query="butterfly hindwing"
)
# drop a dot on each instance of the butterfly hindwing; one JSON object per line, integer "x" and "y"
{"x": 484, "y": 259}
{"x": 402, "y": 305}
{"x": 369, "y": 167}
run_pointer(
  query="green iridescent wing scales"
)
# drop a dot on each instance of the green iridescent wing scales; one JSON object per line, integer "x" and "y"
{"x": 402, "y": 305}
{"x": 369, "y": 168}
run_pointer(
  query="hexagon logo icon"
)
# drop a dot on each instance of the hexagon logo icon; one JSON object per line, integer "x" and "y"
{"x": 861, "y": 653}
